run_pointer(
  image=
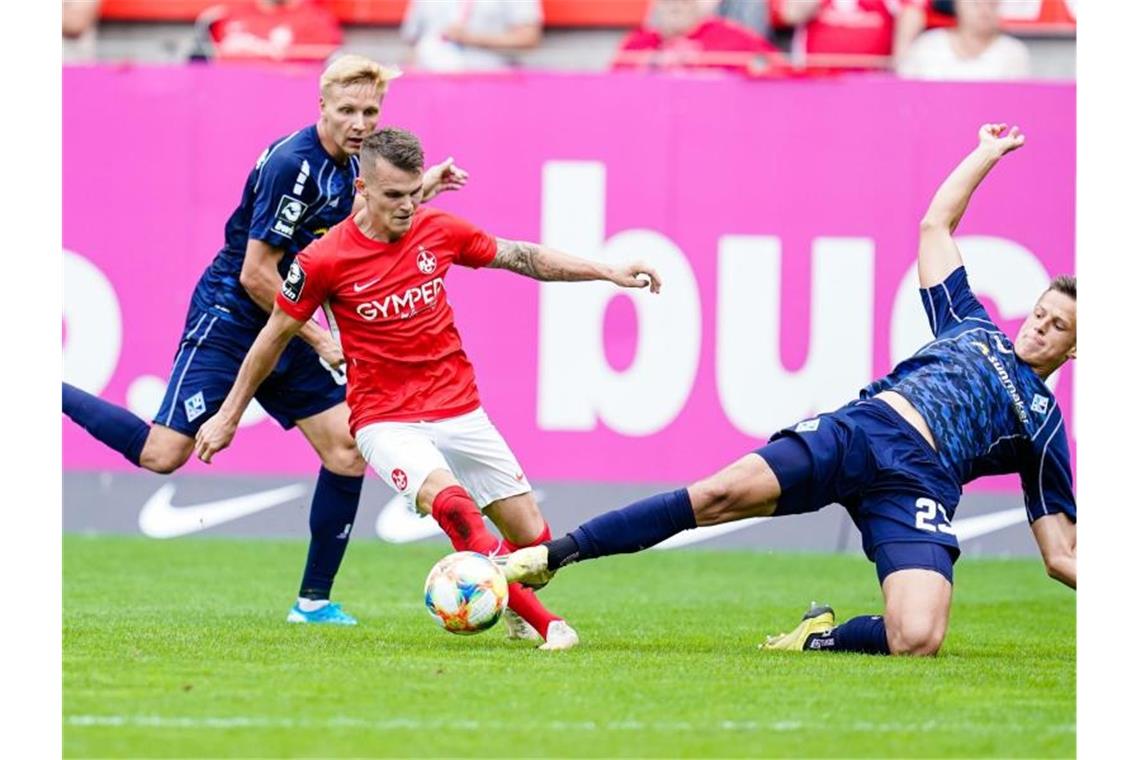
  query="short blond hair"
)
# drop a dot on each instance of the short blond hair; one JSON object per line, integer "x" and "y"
{"x": 356, "y": 69}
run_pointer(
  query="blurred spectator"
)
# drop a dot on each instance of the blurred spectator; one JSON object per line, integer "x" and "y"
{"x": 849, "y": 34}
{"x": 80, "y": 20}
{"x": 753, "y": 14}
{"x": 686, "y": 34}
{"x": 278, "y": 30}
{"x": 973, "y": 49}
{"x": 471, "y": 35}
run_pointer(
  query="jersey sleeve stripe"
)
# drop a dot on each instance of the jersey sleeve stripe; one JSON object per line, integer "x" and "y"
{"x": 267, "y": 157}
{"x": 1045, "y": 422}
{"x": 186, "y": 368}
{"x": 933, "y": 312}
{"x": 1041, "y": 470}
{"x": 950, "y": 303}
{"x": 326, "y": 191}
{"x": 1003, "y": 438}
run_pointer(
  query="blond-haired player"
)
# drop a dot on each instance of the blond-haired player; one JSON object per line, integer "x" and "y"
{"x": 299, "y": 187}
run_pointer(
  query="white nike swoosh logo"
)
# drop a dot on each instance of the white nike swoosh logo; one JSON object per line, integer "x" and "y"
{"x": 973, "y": 527}
{"x": 397, "y": 525}
{"x": 159, "y": 517}
{"x": 357, "y": 287}
{"x": 696, "y": 535}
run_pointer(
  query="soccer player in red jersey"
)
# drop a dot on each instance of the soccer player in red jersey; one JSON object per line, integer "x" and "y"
{"x": 414, "y": 408}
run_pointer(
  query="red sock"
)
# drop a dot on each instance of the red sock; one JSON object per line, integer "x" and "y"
{"x": 543, "y": 536}
{"x": 462, "y": 521}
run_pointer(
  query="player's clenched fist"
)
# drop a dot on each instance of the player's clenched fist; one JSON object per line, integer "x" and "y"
{"x": 990, "y": 136}
{"x": 213, "y": 436}
{"x": 637, "y": 275}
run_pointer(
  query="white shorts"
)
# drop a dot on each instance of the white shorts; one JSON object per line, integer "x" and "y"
{"x": 468, "y": 446}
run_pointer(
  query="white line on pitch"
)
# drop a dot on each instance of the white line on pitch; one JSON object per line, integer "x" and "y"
{"x": 417, "y": 724}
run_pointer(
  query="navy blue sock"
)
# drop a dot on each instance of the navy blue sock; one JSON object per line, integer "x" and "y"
{"x": 113, "y": 425}
{"x": 330, "y": 521}
{"x": 866, "y": 634}
{"x": 630, "y": 529}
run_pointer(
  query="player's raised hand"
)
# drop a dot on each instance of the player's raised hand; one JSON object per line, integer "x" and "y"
{"x": 443, "y": 177}
{"x": 990, "y": 136}
{"x": 637, "y": 275}
{"x": 214, "y": 435}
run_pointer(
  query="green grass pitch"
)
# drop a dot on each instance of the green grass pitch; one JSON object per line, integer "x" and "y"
{"x": 180, "y": 649}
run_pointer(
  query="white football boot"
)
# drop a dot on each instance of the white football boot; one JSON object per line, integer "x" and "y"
{"x": 517, "y": 628}
{"x": 526, "y": 566}
{"x": 560, "y": 636}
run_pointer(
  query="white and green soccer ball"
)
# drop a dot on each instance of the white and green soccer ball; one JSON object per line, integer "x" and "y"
{"x": 465, "y": 592}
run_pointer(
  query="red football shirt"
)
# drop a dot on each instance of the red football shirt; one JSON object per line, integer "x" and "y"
{"x": 296, "y": 31}
{"x": 693, "y": 49}
{"x": 847, "y": 27}
{"x": 388, "y": 303}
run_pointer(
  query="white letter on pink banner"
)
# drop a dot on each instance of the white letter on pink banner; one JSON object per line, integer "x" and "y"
{"x": 94, "y": 325}
{"x": 758, "y": 394}
{"x": 576, "y": 384}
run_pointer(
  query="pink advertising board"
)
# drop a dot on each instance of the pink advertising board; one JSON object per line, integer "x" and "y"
{"x": 783, "y": 216}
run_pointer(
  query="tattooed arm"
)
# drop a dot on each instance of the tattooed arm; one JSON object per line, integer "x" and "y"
{"x": 546, "y": 264}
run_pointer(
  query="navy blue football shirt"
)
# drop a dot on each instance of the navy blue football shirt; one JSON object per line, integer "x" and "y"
{"x": 988, "y": 411}
{"x": 294, "y": 194}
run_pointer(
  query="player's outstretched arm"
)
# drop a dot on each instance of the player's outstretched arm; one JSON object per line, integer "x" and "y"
{"x": 1056, "y": 537}
{"x": 938, "y": 255}
{"x": 546, "y": 264}
{"x": 218, "y": 431}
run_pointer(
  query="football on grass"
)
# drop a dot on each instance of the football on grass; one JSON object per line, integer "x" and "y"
{"x": 465, "y": 593}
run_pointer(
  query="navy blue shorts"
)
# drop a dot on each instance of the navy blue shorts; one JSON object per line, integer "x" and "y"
{"x": 207, "y": 363}
{"x": 873, "y": 462}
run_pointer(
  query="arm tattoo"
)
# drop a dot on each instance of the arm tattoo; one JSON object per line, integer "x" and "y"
{"x": 518, "y": 257}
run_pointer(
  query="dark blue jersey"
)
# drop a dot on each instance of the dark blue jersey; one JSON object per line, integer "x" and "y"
{"x": 988, "y": 411}
{"x": 294, "y": 194}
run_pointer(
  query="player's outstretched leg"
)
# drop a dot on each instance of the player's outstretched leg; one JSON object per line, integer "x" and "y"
{"x": 746, "y": 488}
{"x": 112, "y": 425}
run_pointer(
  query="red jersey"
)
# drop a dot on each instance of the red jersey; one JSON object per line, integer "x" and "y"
{"x": 847, "y": 27}
{"x": 692, "y": 49}
{"x": 388, "y": 303}
{"x": 297, "y": 31}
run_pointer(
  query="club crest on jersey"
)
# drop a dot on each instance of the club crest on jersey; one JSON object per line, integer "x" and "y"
{"x": 1040, "y": 403}
{"x": 294, "y": 283}
{"x": 425, "y": 260}
{"x": 399, "y": 479}
{"x": 289, "y": 212}
{"x": 194, "y": 406}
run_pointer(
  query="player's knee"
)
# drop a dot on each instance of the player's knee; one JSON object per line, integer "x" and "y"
{"x": 162, "y": 461}
{"x": 518, "y": 518}
{"x": 714, "y": 501}
{"x": 343, "y": 460}
{"x": 916, "y": 636}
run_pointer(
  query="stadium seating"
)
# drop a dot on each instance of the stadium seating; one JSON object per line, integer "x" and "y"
{"x": 558, "y": 13}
